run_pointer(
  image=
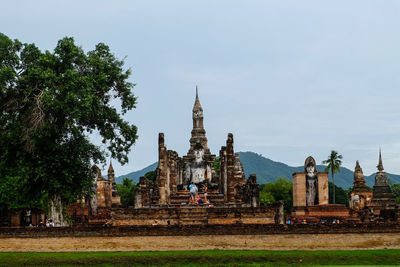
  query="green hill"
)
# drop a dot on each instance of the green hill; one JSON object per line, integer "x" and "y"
{"x": 137, "y": 174}
{"x": 268, "y": 170}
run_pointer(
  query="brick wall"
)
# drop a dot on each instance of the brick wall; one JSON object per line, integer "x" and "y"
{"x": 174, "y": 230}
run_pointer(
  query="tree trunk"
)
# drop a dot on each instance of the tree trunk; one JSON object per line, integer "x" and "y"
{"x": 55, "y": 211}
{"x": 333, "y": 181}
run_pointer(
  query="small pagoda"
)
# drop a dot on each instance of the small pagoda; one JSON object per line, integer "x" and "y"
{"x": 361, "y": 194}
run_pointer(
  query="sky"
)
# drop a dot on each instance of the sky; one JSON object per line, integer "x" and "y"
{"x": 289, "y": 79}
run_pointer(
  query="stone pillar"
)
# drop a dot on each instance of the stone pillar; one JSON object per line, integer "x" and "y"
{"x": 240, "y": 178}
{"x": 103, "y": 194}
{"x": 299, "y": 189}
{"x": 253, "y": 191}
{"x": 108, "y": 194}
{"x": 180, "y": 171}
{"x": 280, "y": 213}
{"x": 162, "y": 169}
{"x": 115, "y": 197}
{"x": 222, "y": 172}
{"x": 144, "y": 196}
{"x": 230, "y": 161}
{"x": 323, "y": 189}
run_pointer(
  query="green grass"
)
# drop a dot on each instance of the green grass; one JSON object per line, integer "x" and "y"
{"x": 202, "y": 258}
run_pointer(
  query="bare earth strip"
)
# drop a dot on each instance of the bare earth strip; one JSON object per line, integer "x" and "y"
{"x": 206, "y": 242}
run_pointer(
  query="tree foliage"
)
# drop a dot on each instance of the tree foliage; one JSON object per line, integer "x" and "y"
{"x": 217, "y": 166}
{"x": 333, "y": 162}
{"x": 281, "y": 189}
{"x": 395, "y": 190}
{"x": 50, "y": 102}
{"x": 127, "y": 191}
{"x": 341, "y": 195}
{"x": 151, "y": 176}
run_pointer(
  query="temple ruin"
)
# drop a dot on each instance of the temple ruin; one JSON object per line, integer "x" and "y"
{"x": 382, "y": 194}
{"x": 311, "y": 196}
{"x": 361, "y": 194}
{"x": 107, "y": 195}
{"x": 310, "y": 187}
{"x": 311, "y": 191}
{"x": 226, "y": 184}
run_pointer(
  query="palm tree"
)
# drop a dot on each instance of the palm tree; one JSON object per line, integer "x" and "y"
{"x": 334, "y": 162}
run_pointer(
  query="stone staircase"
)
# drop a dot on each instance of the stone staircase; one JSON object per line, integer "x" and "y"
{"x": 181, "y": 197}
{"x": 193, "y": 216}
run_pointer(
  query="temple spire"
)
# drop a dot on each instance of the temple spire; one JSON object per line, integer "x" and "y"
{"x": 357, "y": 165}
{"x": 198, "y": 131}
{"x": 197, "y": 105}
{"x": 111, "y": 173}
{"x": 380, "y": 165}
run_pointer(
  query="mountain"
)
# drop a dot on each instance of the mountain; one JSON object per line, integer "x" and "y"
{"x": 137, "y": 174}
{"x": 268, "y": 170}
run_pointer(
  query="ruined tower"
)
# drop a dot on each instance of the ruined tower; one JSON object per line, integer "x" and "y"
{"x": 111, "y": 176}
{"x": 361, "y": 194}
{"x": 116, "y": 199}
{"x": 382, "y": 194}
{"x": 175, "y": 174}
{"x": 198, "y": 161}
{"x": 198, "y": 131}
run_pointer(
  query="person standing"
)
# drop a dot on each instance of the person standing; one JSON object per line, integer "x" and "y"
{"x": 193, "y": 193}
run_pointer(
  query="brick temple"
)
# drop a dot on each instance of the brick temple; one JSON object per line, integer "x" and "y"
{"x": 233, "y": 199}
{"x": 227, "y": 185}
{"x": 311, "y": 195}
{"x": 165, "y": 201}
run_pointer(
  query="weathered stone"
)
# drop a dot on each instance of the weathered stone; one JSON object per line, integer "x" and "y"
{"x": 310, "y": 187}
{"x": 311, "y": 195}
{"x": 116, "y": 199}
{"x": 174, "y": 174}
{"x": 361, "y": 195}
{"x": 199, "y": 161}
{"x": 106, "y": 191}
{"x": 382, "y": 194}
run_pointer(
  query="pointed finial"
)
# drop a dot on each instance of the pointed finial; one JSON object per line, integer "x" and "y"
{"x": 111, "y": 166}
{"x": 357, "y": 165}
{"x": 197, "y": 105}
{"x": 380, "y": 165}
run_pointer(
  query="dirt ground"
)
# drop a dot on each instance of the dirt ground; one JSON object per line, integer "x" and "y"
{"x": 206, "y": 242}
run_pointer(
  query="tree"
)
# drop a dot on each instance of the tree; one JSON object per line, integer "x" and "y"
{"x": 395, "y": 190}
{"x": 127, "y": 191}
{"x": 281, "y": 189}
{"x": 334, "y": 161}
{"x": 151, "y": 176}
{"x": 341, "y": 195}
{"x": 50, "y": 103}
{"x": 217, "y": 166}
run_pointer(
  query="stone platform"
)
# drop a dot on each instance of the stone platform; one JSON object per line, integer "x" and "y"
{"x": 329, "y": 211}
{"x": 198, "y": 215}
{"x": 196, "y": 230}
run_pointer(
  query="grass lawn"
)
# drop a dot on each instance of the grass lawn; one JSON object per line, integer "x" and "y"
{"x": 203, "y": 258}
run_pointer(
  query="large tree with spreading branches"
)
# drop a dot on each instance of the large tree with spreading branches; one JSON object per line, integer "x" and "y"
{"x": 50, "y": 104}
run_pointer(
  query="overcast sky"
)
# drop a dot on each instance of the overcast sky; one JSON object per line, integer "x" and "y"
{"x": 288, "y": 78}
